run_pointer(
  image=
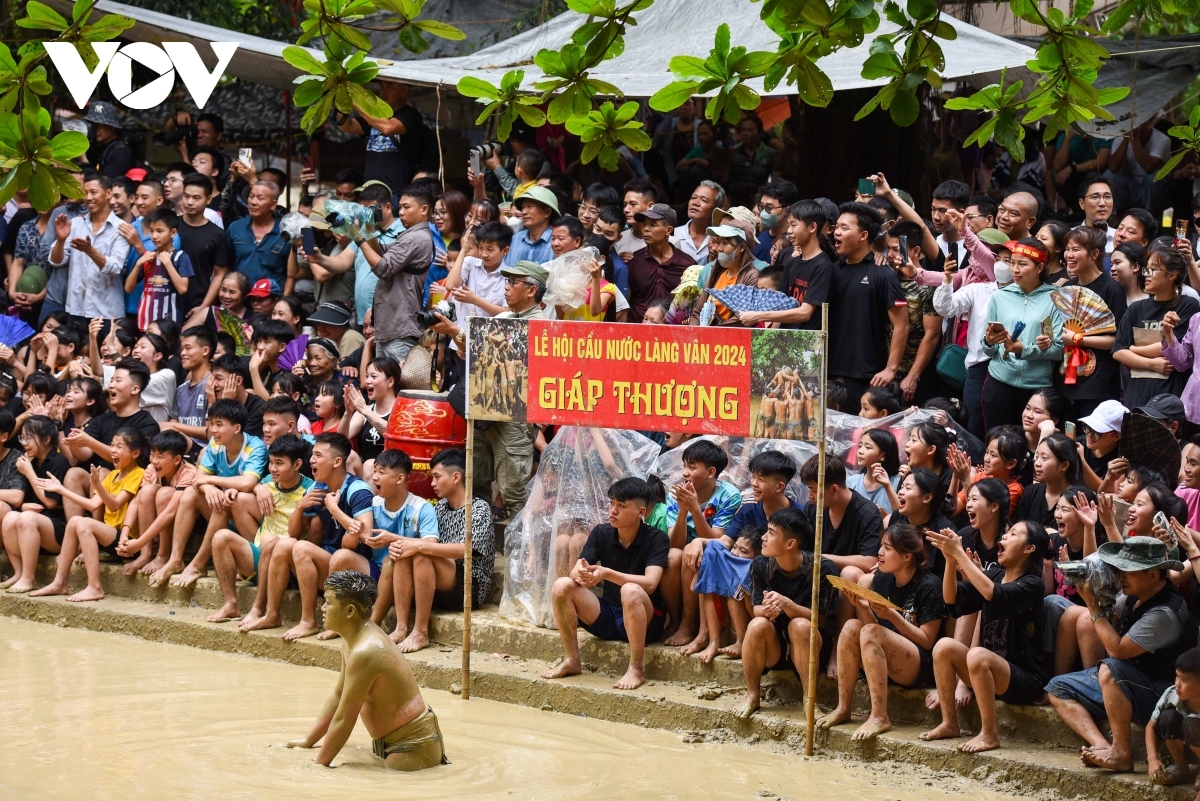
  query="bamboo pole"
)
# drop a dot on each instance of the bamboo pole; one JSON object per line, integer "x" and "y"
{"x": 814, "y": 651}
{"x": 466, "y": 646}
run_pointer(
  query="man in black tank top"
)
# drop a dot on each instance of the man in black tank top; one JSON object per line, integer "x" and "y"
{"x": 1148, "y": 631}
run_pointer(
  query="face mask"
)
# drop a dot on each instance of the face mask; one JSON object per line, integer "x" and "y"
{"x": 725, "y": 259}
{"x": 768, "y": 220}
{"x": 1003, "y": 273}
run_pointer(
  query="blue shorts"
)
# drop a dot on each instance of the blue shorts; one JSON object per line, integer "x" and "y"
{"x": 610, "y": 624}
{"x": 1084, "y": 687}
{"x": 721, "y": 573}
{"x": 375, "y": 570}
{"x": 254, "y": 549}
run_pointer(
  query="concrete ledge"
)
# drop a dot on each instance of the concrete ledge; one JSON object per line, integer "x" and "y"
{"x": 1018, "y": 767}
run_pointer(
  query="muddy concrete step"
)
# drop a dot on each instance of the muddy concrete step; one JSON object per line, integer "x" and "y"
{"x": 205, "y": 593}
{"x": 494, "y": 634}
{"x": 1035, "y": 769}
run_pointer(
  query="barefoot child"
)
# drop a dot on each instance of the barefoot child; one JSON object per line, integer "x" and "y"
{"x": 728, "y": 587}
{"x": 1008, "y": 662}
{"x": 890, "y": 645}
{"x": 39, "y": 523}
{"x": 629, "y": 558}
{"x": 157, "y": 502}
{"x": 1176, "y": 724}
{"x": 700, "y": 507}
{"x": 110, "y": 499}
{"x": 770, "y": 474}
{"x": 234, "y": 555}
{"x": 781, "y": 587}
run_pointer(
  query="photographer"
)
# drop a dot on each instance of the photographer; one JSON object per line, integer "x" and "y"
{"x": 501, "y": 175}
{"x": 401, "y": 272}
{"x": 363, "y": 259}
{"x": 186, "y": 135}
{"x": 1141, "y": 644}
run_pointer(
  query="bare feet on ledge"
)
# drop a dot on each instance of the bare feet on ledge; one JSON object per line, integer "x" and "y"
{"x": 980, "y": 743}
{"x": 164, "y": 573}
{"x": 943, "y": 731}
{"x": 414, "y": 642}
{"x": 835, "y": 718}
{"x": 50, "y": 589}
{"x": 681, "y": 637}
{"x": 872, "y": 729}
{"x": 225, "y": 614}
{"x": 300, "y": 631}
{"x": 699, "y": 642}
{"x": 87, "y": 594}
{"x": 732, "y": 651}
{"x": 258, "y": 624}
{"x": 747, "y": 706}
{"x": 633, "y": 678}
{"x": 398, "y": 635}
{"x": 188, "y": 577}
{"x": 567, "y": 667}
{"x": 1102, "y": 756}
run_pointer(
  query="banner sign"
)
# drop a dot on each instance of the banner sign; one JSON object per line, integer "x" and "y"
{"x": 704, "y": 380}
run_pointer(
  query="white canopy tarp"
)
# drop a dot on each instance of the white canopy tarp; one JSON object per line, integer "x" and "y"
{"x": 666, "y": 29}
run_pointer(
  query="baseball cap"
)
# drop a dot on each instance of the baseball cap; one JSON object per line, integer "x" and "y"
{"x": 727, "y": 231}
{"x": 1105, "y": 418}
{"x": 262, "y": 289}
{"x": 331, "y": 313}
{"x": 659, "y": 211}
{"x": 541, "y": 194}
{"x": 1163, "y": 407}
{"x": 137, "y": 174}
{"x": 527, "y": 269}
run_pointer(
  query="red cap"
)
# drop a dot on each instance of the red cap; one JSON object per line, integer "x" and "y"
{"x": 262, "y": 288}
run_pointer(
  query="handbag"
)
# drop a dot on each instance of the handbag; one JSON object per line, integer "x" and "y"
{"x": 952, "y": 365}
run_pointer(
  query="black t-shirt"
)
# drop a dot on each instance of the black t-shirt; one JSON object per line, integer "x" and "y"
{"x": 102, "y": 427}
{"x": 920, "y": 600}
{"x": 648, "y": 549}
{"x": 935, "y": 562}
{"x": 807, "y": 281}
{"x": 1148, "y": 313}
{"x": 395, "y": 167}
{"x": 1105, "y": 380}
{"x": 860, "y": 297}
{"x": 767, "y": 576}
{"x": 1099, "y": 464}
{"x": 254, "y": 412}
{"x": 208, "y": 247}
{"x": 55, "y": 465}
{"x": 1032, "y": 506}
{"x": 1011, "y": 623}
{"x": 858, "y": 535}
{"x": 972, "y": 541}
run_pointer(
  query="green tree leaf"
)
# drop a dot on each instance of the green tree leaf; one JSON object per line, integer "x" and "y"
{"x": 40, "y": 15}
{"x": 441, "y": 30}
{"x": 470, "y": 86}
{"x": 673, "y": 95}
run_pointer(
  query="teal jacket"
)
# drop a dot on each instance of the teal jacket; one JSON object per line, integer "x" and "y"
{"x": 1035, "y": 367}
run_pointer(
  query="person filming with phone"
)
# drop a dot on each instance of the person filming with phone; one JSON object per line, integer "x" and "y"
{"x": 1023, "y": 337}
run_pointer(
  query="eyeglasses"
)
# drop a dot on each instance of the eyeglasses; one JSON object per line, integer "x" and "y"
{"x": 439, "y": 212}
{"x": 1098, "y": 198}
{"x": 975, "y": 216}
{"x": 1148, "y": 271}
{"x": 515, "y": 282}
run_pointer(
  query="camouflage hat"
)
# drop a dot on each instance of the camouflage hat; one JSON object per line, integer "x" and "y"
{"x": 1138, "y": 553}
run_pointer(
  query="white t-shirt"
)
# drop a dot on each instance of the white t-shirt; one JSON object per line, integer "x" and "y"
{"x": 1159, "y": 146}
{"x": 683, "y": 241}
{"x": 487, "y": 285}
{"x": 158, "y": 398}
{"x": 214, "y": 218}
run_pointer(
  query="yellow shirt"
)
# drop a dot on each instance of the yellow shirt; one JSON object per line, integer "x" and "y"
{"x": 523, "y": 188}
{"x": 584, "y": 312}
{"x": 115, "y": 484}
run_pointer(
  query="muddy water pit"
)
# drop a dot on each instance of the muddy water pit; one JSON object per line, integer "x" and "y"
{"x": 107, "y": 716}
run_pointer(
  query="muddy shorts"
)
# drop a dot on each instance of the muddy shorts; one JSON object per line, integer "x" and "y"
{"x": 1084, "y": 687}
{"x": 419, "y": 742}
{"x": 1172, "y": 725}
{"x": 610, "y": 624}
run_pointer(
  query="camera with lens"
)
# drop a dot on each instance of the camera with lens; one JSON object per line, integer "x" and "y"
{"x": 1101, "y": 579}
{"x": 429, "y": 318}
{"x": 487, "y": 150}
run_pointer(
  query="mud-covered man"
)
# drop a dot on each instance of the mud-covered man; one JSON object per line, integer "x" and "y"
{"x": 376, "y": 684}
